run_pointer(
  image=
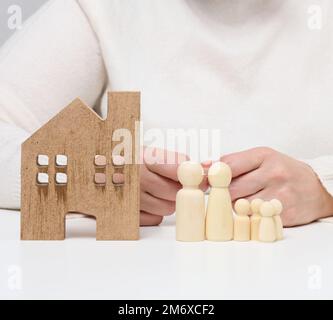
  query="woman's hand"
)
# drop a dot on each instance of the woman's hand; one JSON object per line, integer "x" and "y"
{"x": 265, "y": 173}
{"x": 159, "y": 184}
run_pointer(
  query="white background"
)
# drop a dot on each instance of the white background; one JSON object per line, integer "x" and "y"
{"x": 159, "y": 267}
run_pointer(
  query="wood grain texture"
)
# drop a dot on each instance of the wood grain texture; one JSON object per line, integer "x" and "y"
{"x": 80, "y": 134}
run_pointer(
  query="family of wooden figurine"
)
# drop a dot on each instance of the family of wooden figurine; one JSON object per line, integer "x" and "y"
{"x": 218, "y": 223}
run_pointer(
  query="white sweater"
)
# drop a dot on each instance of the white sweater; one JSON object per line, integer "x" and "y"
{"x": 253, "y": 69}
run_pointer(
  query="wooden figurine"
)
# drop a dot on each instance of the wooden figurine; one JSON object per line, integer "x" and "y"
{"x": 255, "y": 218}
{"x": 74, "y": 163}
{"x": 219, "y": 218}
{"x": 277, "y": 218}
{"x": 242, "y": 226}
{"x": 190, "y": 203}
{"x": 267, "y": 231}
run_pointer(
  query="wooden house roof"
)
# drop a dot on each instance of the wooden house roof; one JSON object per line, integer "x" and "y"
{"x": 76, "y": 111}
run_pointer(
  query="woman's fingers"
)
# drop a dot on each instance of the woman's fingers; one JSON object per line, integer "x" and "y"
{"x": 164, "y": 163}
{"x": 205, "y": 184}
{"x": 159, "y": 181}
{"x": 248, "y": 184}
{"x": 147, "y": 219}
{"x": 156, "y": 185}
{"x": 156, "y": 206}
{"x": 245, "y": 161}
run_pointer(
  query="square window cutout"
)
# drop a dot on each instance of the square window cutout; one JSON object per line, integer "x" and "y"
{"x": 42, "y": 160}
{"x": 43, "y": 178}
{"x": 118, "y": 179}
{"x": 100, "y": 178}
{"x": 61, "y": 160}
{"x": 118, "y": 161}
{"x": 61, "y": 178}
{"x": 100, "y": 161}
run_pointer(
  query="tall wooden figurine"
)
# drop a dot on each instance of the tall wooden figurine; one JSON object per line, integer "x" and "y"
{"x": 219, "y": 218}
{"x": 190, "y": 203}
{"x": 75, "y": 163}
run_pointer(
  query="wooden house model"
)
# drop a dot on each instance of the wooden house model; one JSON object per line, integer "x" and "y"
{"x": 70, "y": 166}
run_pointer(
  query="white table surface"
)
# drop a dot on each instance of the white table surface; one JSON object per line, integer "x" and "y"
{"x": 158, "y": 267}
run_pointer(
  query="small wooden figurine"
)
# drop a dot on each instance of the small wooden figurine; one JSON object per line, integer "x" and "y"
{"x": 267, "y": 232}
{"x": 219, "y": 218}
{"x": 190, "y": 203}
{"x": 74, "y": 163}
{"x": 242, "y": 226}
{"x": 277, "y": 218}
{"x": 255, "y": 218}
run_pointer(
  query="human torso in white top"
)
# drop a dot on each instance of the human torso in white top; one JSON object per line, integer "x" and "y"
{"x": 256, "y": 71}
